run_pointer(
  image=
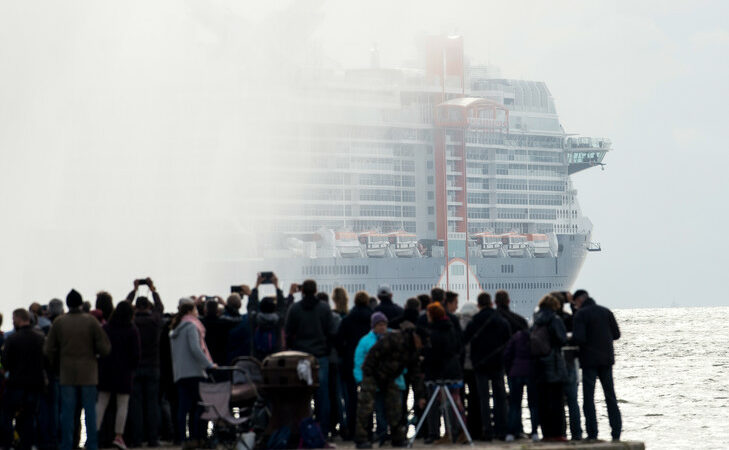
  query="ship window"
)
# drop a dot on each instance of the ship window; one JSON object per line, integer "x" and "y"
{"x": 430, "y": 180}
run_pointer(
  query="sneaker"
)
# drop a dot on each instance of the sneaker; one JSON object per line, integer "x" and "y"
{"x": 119, "y": 443}
{"x": 535, "y": 437}
{"x": 509, "y": 438}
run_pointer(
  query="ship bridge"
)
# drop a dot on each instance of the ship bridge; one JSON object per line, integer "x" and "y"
{"x": 585, "y": 152}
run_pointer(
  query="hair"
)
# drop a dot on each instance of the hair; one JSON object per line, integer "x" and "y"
{"x": 234, "y": 301}
{"x": 436, "y": 311}
{"x": 484, "y": 300}
{"x": 437, "y": 295}
{"x": 268, "y": 305}
{"x": 412, "y": 303}
{"x": 35, "y": 308}
{"x": 142, "y": 303}
{"x": 450, "y": 297}
{"x": 424, "y": 300}
{"x": 105, "y": 303}
{"x": 340, "y": 299}
{"x": 549, "y": 301}
{"x": 21, "y": 314}
{"x": 560, "y": 297}
{"x": 182, "y": 310}
{"x": 86, "y": 307}
{"x": 211, "y": 308}
{"x": 501, "y": 298}
{"x": 361, "y": 298}
{"x": 308, "y": 288}
{"x": 1, "y": 319}
{"x": 580, "y": 293}
{"x": 55, "y": 308}
{"x": 123, "y": 314}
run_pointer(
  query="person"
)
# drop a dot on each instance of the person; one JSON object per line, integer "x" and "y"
{"x": 240, "y": 338}
{"x": 488, "y": 335}
{"x": 518, "y": 365}
{"x": 385, "y": 362}
{"x": 105, "y": 304}
{"x": 386, "y": 306}
{"x": 190, "y": 360}
{"x": 116, "y": 370}
{"x": 309, "y": 328}
{"x": 451, "y": 306}
{"x": 550, "y": 369}
{"x": 336, "y": 385}
{"x": 470, "y": 395}
{"x": 354, "y": 326}
{"x": 22, "y": 360}
{"x": 233, "y": 304}
{"x": 516, "y": 322}
{"x": 411, "y": 313}
{"x": 441, "y": 362}
{"x": 267, "y": 335}
{"x": 570, "y": 355}
{"x": 49, "y": 410}
{"x": 282, "y": 303}
{"x": 144, "y": 410}
{"x": 38, "y": 319}
{"x": 74, "y": 341}
{"x": 217, "y": 330}
{"x": 595, "y": 329}
{"x": 378, "y": 323}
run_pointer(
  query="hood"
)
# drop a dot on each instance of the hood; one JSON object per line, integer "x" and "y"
{"x": 309, "y": 302}
{"x": 174, "y": 334}
{"x": 544, "y": 316}
{"x": 267, "y": 318}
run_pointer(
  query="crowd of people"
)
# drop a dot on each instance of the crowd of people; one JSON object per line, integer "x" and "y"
{"x": 134, "y": 371}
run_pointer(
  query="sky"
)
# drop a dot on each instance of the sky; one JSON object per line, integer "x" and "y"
{"x": 121, "y": 146}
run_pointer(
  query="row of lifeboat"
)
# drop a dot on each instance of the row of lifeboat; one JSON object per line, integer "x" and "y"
{"x": 399, "y": 244}
{"x": 513, "y": 245}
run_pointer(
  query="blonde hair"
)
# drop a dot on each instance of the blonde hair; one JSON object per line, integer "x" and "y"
{"x": 550, "y": 301}
{"x": 340, "y": 299}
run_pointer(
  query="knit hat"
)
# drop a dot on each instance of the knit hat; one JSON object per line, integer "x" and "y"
{"x": 377, "y": 318}
{"x": 436, "y": 311}
{"x": 268, "y": 306}
{"x": 73, "y": 299}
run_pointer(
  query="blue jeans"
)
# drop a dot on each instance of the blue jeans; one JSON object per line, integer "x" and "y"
{"x": 321, "y": 403}
{"x": 589, "y": 377}
{"x": 570, "y": 391}
{"x": 68, "y": 411}
{"x": 516, "y": 394}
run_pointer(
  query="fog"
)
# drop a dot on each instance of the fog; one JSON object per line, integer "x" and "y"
{"x": 133, "y": 135}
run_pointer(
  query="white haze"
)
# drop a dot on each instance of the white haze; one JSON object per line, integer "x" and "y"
{"x": 130, "y": 132}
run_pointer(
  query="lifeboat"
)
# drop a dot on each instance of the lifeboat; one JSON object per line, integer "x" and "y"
{"x": 539, "y": 245}
{"x": 347, "y": 244}
{"x": 374, "y": 243}
{"x": 404, "y": 244}
{"x": 489, "y": 244}
{"x": 515, "y": 245}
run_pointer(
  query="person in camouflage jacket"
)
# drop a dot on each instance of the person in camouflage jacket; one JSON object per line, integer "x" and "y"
{"x": 385, "y": 361}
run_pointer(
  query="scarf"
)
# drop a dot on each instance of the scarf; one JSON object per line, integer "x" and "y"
{"x": 200, "y": 331}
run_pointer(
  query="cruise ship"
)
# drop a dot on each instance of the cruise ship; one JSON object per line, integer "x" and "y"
{"x": 443, "y": 175}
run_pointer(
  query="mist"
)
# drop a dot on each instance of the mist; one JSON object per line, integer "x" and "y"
{"x": 134, "y": 136}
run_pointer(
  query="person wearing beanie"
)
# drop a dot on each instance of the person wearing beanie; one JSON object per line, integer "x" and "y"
{"x": 267, "y": 335}
{"x": 387, "y": 306}
{"x": 72, "y": 344}
{"x": 378, "y": 325}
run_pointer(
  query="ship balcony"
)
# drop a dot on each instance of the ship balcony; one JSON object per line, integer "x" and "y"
{"x": 585, "y": 152}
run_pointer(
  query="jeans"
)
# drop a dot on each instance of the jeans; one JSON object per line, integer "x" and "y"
{"x": 48, "y": 416}
{"x": 496, "y": 380}
{"x": 550, "y": 403}
{"x": 589, "y": 376}
{"x": 188, "y": 404}
{"x": 321, "y": 404}
{"x": 570, "y": 392}
{"x": 68, "y": 411}
{"x": 144, "y": 407}
{"x": 516, "y": 394}
{"x": 380, "y": 417}
{"x": 350, "y": 401}
{"x": 24, "y": 402}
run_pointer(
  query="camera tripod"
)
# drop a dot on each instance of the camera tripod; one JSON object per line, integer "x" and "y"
{"x": 441, "y": 387}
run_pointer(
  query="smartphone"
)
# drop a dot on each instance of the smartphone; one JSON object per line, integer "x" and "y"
{"x": 236, "y": 290}
{"x": 141, "y": 282}
{"x": 266, "y": 277}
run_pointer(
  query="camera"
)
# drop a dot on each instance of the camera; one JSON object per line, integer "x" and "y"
{"x": 236, "y": 290}
{"x": 266, "y": 277}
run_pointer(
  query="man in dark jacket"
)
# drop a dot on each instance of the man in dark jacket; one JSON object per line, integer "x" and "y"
{"x": 217, "y": 330}
{"x": 570, "y": 355}
{"x": 22, "y": 359}
{"x": 451, "y": 306}
{"x": 386, "y": 306}
{"x": 516, "y": 322}
{"x": 144, "y": 411}
{"x": 385, "y": 361}
{"x": 595, "y": 329}
{"x": 309, "y": 328}
{"x": 488, "y": 334}
{"x": 354, "y": 325}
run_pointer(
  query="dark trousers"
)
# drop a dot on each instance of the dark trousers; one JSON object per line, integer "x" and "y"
{"x": 472, "y": 404}
{"x": 24, "y": 403}
{"x": 570, "y": 392}
{"x": 516, "y": 394}
{"x": 144, "y": 407}
{"x": 498, "y": 391}
{"x": 188, "y": 408}
{"x": 336, "y": 399}
{"x": 49, "y": 411}
{"x": 321, "y": 397}
{"x": 550, "y": 407}
{"x": 589, "y": 377}
{"x": 350, "y": 401}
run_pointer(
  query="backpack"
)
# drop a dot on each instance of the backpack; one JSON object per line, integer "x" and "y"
{"x": 540, "y": 341}
{"x": 265, "y": 340}
{"x": 280, "y": 438}
{"x": 311, "y": 435}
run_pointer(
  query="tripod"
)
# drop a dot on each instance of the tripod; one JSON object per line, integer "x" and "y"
{"x": 441, "y": 387}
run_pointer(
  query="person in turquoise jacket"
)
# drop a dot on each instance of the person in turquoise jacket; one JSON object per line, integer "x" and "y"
{"x": 378, "y": 323}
